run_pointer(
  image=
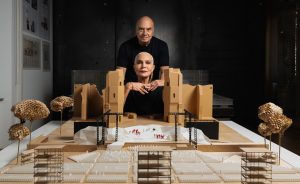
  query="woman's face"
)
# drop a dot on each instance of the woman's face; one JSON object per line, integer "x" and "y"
{"x": 143, "y": 65}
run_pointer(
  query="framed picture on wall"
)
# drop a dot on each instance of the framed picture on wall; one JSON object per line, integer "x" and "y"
{"x": 31, "y": 53}
{"x": 46, "y": 56}
{"x": 30, "y": 16}
{"x": 44, "y": 19}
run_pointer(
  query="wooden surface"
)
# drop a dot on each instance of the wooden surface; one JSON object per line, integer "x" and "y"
{"x": 226, "y": 134}
{"x": 229, "y": 140}
{"x": 227, "y": 137}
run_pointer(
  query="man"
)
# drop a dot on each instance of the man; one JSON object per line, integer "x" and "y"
{"x": 144, "y": 41}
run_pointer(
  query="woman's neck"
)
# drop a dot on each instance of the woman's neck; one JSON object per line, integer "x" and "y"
{"x": 143, "y": 80}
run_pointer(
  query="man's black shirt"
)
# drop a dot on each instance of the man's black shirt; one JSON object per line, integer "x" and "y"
{"x": 129, "y": 49}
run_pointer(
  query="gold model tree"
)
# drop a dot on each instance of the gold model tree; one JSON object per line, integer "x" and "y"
{"x": 275, "y": 122}
{"x": 59, "y": 104}
{"x": 18, "y": 132}
{"x": 31, "y": 110}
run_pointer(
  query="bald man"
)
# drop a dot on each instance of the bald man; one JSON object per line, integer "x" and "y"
{"x": 144, "y": 41}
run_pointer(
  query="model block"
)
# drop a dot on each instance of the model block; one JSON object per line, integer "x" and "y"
{"x": 189, "y": 98}
{"x": 87, "y": 101}
{"x": 84, "y": 102}
{"x": 115, "y": 78}
{"x": 113, "y": 94}
{"x": 172, "y": 95}
{"x": 198, "y": 100}
{"x": 105, "y": 104}
{"x": 174, "y": 77}
{"x": 175, "y": 108}
{"x": 27, "y": 156}
{"x": 205, "y": 102}
{"x": 77, "y": 99}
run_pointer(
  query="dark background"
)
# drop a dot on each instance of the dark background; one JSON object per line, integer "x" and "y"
{"x": 248, "y": 46}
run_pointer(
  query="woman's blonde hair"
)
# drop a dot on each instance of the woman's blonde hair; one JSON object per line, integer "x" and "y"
{"x": 140, "y": 53}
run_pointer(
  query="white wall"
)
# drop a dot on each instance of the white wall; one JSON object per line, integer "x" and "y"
{"x": 7, "y": 68}
{"x": 37, "y": 85}
{"x": 17, "y": 84}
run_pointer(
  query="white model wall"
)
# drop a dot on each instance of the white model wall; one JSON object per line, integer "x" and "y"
{"x": 7, "y": 70}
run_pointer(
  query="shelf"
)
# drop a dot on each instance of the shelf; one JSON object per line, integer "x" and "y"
{"x": 153, "y": 157}
{"x": 254, "y": 168}
{"x": 256, "y": 176}
{"x": 256, "y": 160}
{"x": 48, "y": 174}
{"x": 51, "y": 166}
{"x": 27, "y": 159}
{"x": 46, "y": 182}
{"x": 154, "y": 166}
{"x": 254, "y": 182}
{"x": 154, "y": 182}
{"x": 47, "y": 156}
{"x": 153, "y": 174}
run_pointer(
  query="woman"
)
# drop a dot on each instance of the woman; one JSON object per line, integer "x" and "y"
{"x": 141, "y": 97}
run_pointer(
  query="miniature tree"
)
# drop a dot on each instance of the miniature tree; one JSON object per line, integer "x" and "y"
{"x": 265, "y": 131}
{"x": 18, "y": 132}
{"x": 30, "y": 110}
{"x": 59, "y": 104}
{"x": 275, "y": 122}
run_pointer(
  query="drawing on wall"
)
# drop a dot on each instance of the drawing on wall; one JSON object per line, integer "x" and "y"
{"x": 34, "y": 4}
{"x": 46, "y": 56}
{"x": 31, "y": 53}
{"x": 36, "y": 18}
{"x": 30, "y": 16}
{"x": 44, "y": 19}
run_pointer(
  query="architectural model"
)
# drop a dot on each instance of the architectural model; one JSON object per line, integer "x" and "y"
{"x": 147, "y": 150}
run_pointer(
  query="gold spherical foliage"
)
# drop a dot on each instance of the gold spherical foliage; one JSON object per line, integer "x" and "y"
{"x": 13, "y": 109}
{"x": 30, "y": 110}
{"x": 61, "y": 102}
{"x": 264, "y": 130}
{"x": 18, "y": 132}
{"x": 267, "y": 110}
{"x": 277, "y": 122}
{"x": 287, "y": 123}
{"x": 56, "y": 106}
{"x": 274, "y": 120}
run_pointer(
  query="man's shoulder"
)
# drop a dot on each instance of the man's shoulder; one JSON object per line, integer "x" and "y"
{"x": 158, "y": 41}
{"x": 131, "y": 41}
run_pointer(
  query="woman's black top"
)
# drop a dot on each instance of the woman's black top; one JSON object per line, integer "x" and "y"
{"x": 147, "y": 104}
